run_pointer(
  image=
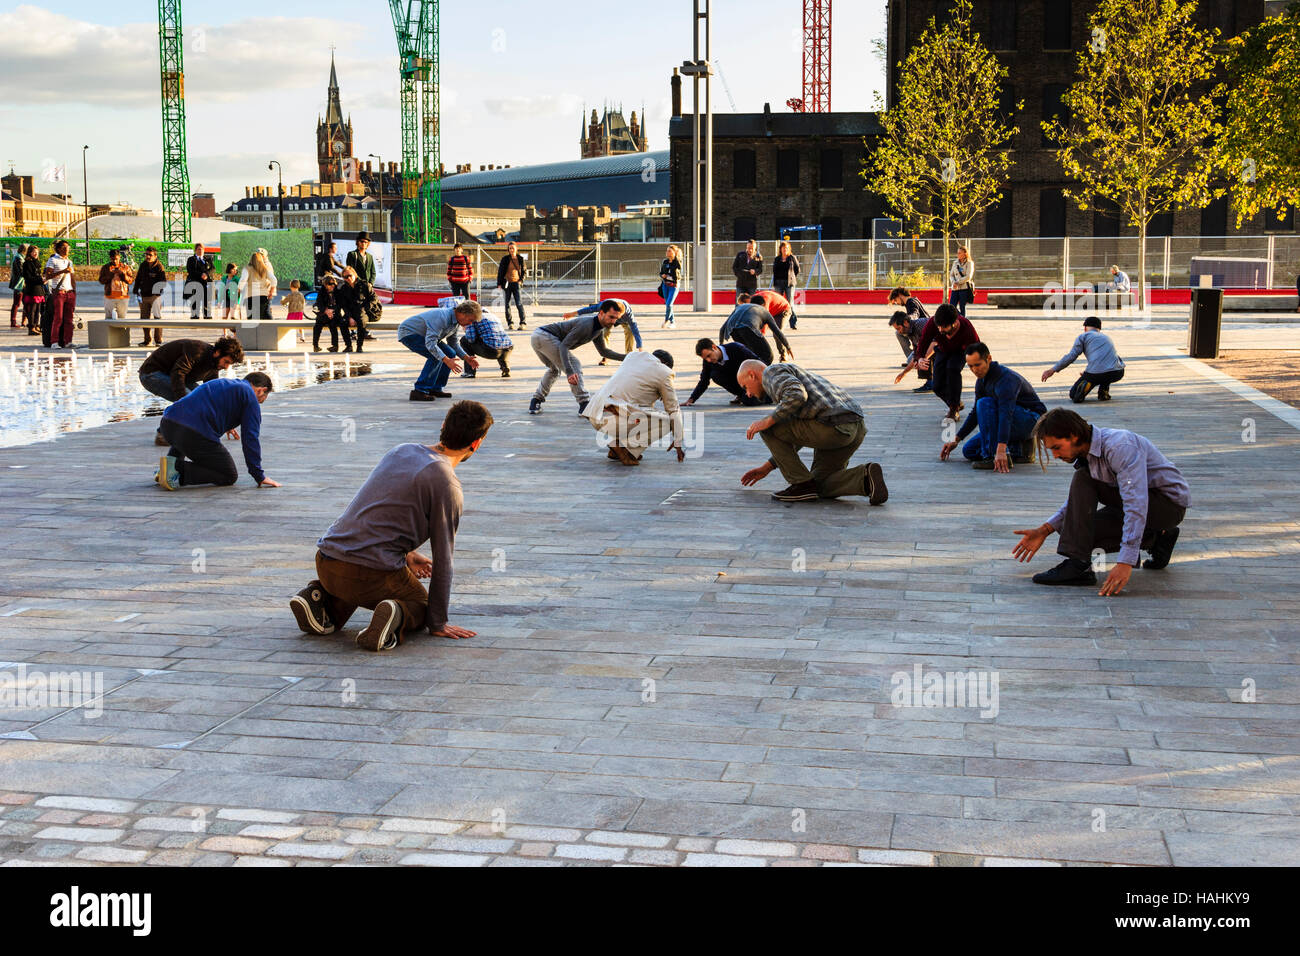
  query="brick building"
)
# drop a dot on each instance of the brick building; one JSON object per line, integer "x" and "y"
{"x": 773, "y": 171}
{"x": 566, "y": 224}
{"x": 611, "y": 135}
{"x": 1038, "y": 42}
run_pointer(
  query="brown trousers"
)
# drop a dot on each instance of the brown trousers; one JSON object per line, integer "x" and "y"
{"x": 350, "y": 586}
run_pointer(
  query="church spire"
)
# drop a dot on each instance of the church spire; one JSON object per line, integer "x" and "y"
{"x": 334, "y": 107}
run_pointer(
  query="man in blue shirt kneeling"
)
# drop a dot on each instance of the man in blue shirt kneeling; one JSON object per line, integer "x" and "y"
{"x": 1006, "y": 410}
{"x": 193, "y": 427}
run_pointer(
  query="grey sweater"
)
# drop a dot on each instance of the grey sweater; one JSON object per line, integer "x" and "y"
{"x": 1100, "y": 350}
{"x": 576, "y": 332}
{"x": 411, "y": 497}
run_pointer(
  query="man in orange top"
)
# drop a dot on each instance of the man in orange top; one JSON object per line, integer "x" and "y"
{"x": 777, "y": 305}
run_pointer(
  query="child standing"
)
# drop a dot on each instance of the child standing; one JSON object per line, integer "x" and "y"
{"x": 228, "y": 292}
{"x": 294, "y": 303}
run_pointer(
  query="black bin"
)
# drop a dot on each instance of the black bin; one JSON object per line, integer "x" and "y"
{"x": 1204, "y": 323}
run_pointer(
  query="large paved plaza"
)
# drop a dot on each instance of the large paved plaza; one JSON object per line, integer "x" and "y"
{"x": 669, "y": 668}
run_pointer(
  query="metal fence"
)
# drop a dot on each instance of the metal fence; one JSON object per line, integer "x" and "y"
{"x": 566, "y": 273}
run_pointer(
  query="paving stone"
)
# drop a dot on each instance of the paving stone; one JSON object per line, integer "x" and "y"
{"x": 89, "y": 804}
{"x": 443, "y": 859}
{"x": 271, "y": 831}
{"x": 756, "y": 848}
{"x": 107, "y": 835}
{"x": 257, "y": 816}
{"x": 111, "y": 854}
{"x": 579, "y": 851}
{"x": 421, "y": 826}
{"x": 896, "y": 857}
{"x": 536, "y": 849}
{"x": 718, "y": 859}
{"x": 311, "y": 851}
{"x": 233, "y": 844}
{"x": 842, "y": 854}
{"x": 654, "y": 857}
{"x": 648, "y": 840}
{"x": 549, "y": 834}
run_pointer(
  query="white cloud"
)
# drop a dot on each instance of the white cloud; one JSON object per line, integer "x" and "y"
{"x": 545, "y": 106}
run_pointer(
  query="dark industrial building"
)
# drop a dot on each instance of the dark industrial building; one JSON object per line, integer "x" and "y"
{"x": 604, "y": 181}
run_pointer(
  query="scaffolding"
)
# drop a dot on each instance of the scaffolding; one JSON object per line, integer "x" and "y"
{"x": 175, "y": 168}
{"x": 416, "y": 24}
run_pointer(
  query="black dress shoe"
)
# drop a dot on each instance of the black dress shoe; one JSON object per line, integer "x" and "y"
{"x": 419, "y": 396}
{"x": 1068, "y": 571}
{"x": 877, "y": 493}
{"x": 439, "y": 393}
{"x": 1161, "y": 550}
{"x": 804, "y": 491}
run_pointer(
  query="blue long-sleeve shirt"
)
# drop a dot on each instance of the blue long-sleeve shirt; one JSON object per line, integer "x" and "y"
{"x": 625, "y": 319}
{"x": 438, "y": 328}
{"x": 1100, "y": 350}
{"x": 216, "y": 407}
{"x": 1008, "y": 388}
{"x": 1129, "y": 461}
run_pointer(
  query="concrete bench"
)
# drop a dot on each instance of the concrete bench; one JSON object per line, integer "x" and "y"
{"x": 1259, "y": 303}
{"x": 269, "y": 335}
{"x": 1037, "y": 301}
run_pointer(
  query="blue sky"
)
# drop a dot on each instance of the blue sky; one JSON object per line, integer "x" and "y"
{"x": 515, "y": 79}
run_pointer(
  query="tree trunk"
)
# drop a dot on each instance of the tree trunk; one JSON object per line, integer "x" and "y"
{"x": 1142, "y": 266}
{"x": 944, "y": 271}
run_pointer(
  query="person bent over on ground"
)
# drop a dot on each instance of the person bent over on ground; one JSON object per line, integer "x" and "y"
{"x": 554, "y": 345}
{"x": 1104, "y": 368}
{"x": 485, "y": 338}
{"x": 623, "y": 410}
{"x": 1006, "y": 410}
{"x": 435, "y": 334}
{"x": 193, "y": 426}
{"x": 746, "y": 325}
{"x": 721, "y": 363}
{"x": 631, "y": 334}
{"x": 908, "y": 332}
{"x": 174, "y": 370}
{"x": 1143, "y": 497}
{"x": 777, "y": 305}
{"x": 811, "y": 413}
{"x": 369, "y": 557}
{"x": 942, "y": 348}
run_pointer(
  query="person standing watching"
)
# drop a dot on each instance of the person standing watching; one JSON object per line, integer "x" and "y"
{"x": 257, "y": 286}
{"x": 785, "y": 276}
{"x": 460, "y": 272}
{"x": 510, "y": 273}
{"x": 747, "y": 266}
{"x": 369, "y": 557}
{"x": 150, "y": 284}
{"x": 115, "y": 276}
{"x": 961, "y": 277}
{"x": 198, "y": 273}
{"x": 63, "y": 287}
{"x": 1104, "y": 368}
{"x": 16, "y": 285}
{"x": 33, "y": 289}
{"x": 942, "y": 348}
{"x": 1144, "y": 499}
{"x": 361, "y": 259}
{"x": 669, "y": 275}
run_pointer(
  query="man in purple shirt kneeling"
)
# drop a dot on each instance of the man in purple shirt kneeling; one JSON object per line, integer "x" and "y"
{"x": 1143, "y": 496}
{"x": 370, "y": 556}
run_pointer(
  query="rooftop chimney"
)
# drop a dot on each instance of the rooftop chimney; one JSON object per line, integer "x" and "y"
{"x": 676, "y": 84}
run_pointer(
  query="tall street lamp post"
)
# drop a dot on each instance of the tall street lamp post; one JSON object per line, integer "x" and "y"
{"x": 85, "y": 199}
{"x": 387, "y": 225}
{"x": 276, "y": 164}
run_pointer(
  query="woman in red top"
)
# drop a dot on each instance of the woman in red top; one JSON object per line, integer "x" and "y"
{"x": 460, "y": 272}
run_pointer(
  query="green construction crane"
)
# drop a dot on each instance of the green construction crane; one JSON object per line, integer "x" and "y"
{"x": 175, "y": 170}
{"x": 416, "y": 25}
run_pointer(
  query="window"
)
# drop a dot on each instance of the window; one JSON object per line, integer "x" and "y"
{"x": 1053, "y": 108}
{"x": 1002, "y": 25}
{"x": 1007, "y": 100}
{"x": 1051, "y": 213}
{"x": 743, "y": 169}
{"x": 1056, "y": 24}
{"x": 1214, "y": 218}
{"x": 1275, "y": 223}
{"x": 1106, "y": 219}
{"x": 1161, "y": 225}
{"x": 744, "y": 229}
{"x": 832, "y": 228}
{"x": 997, "y": 221}
{"x": 832, "y": 168}
{"x": 787, "y": 169}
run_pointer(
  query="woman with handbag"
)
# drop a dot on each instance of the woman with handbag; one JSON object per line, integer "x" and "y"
{"x": 33, "y": 283}
{"x": 669, "y": 273}
{"x": 962, "y": 280}
{"x": 16, "y": 284}
{"x": 785, "y": 276}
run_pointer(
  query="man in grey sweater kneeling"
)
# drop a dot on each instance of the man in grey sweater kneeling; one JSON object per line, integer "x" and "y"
{"x": 369, "y": 557}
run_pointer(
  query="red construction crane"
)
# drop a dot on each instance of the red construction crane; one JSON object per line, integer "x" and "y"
{"x": 816, "y": 59}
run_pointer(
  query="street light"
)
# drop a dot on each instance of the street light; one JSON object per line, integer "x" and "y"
{"x": 699, "y": 69}
{"x": 85, "y": 199}
{"x": 387, "y": 224}
{"x": 281, "y": 172}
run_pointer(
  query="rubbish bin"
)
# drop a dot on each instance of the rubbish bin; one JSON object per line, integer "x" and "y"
{"x": 1204, "y": 323}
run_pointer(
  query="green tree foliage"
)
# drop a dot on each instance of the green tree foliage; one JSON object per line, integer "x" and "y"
{"x": 1141, "y": 118}
{"x": 1260, "y": 146}
{"x": 946, "y": 149}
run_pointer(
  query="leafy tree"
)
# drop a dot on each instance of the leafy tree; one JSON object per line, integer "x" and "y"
{"x": 1260, "y": 146}
{"x": 1141, "y": 117}
{"x": 946, "y": 149}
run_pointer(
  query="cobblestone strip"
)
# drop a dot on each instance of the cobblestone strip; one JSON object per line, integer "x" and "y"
{"x": 39, "y": 830}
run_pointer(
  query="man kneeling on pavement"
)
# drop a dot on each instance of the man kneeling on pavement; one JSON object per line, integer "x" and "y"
{"x": 369, "y": 557}
{"x": 811, "y": 413}
{"x": 1006, "y": 410}
{"x": 623, "y": 409}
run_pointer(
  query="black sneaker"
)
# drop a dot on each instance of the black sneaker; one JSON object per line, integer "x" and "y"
{"x": 535, "y": 406}
{"x": 308, "y": 608}
{"x": 582, "y": 407}
{"x": 469, "y": 373}
{"x": 877, "y": 493}
{"x": 1069, "y": 572}
{"x": 419, "y": 396}
{"x": 1161, "y": 548}
{"x": 441, "y": 394}
{"x": 804, "y": 491}
{"x": 922, "y": 388}
{"x": 505, "y": 371}
{"x": 1103, "y": 394}
{"x": 989, "y": 464}
{"x": 381, "y": 634}
{"x": 1025, "y": 459}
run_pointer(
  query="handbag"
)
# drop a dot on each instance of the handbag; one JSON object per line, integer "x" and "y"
{"x": 18, "y": 286}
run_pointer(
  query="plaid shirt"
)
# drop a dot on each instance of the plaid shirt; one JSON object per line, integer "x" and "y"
{"x": 488, "y": 331}
{"x": 800, "y": 393}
